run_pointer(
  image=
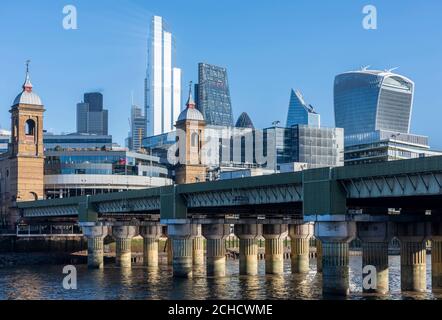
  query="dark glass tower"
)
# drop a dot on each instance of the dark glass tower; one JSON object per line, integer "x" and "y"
{"x": 213, "y": 95}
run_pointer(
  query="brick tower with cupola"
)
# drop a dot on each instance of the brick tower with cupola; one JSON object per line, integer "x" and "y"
{"x": 22, "y": 167}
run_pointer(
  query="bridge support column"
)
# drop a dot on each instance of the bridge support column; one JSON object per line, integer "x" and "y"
{"x": 215, "y": 235}
{"x": 95, "y": 236}
{"x": 182, "y": 249}
{"x": 436, "y": 257}
{"x": 375, "y": 237}
{"x": 151, "y": 235}
{"x": 274, "y": 235}
{"x": 248, "y": 247}
{"x": 318, "y": 256}
{"x": 413, "y": 237}
{"x": 123, "y": 236}
{"x": 300, "y": 235}
{"x": 335, "y": 237}
{"x": 198, "y": 247}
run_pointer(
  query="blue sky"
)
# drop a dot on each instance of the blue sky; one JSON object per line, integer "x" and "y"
{"x": 268, "y": 48}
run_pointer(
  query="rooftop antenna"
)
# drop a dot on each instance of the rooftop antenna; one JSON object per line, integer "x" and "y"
{"x": 365, "y": 68}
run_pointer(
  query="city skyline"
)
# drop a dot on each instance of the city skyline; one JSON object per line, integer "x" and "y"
{"x": 315, "y": 78}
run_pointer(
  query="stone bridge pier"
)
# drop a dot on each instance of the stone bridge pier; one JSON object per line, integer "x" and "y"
{"x": 95, "y": 235}
{"x": 335, "y": 237}
{"x": 436, "y": 256}
{"x": 151, "y": 235}
{"x": 274, "y": 235}
{"x": 182, "y": 236}
{"x": 215, "y": 235}
{"x": 248, "y": 247}
{"x": 123, "y": 236}
{"x": 413, "y": 237}
{"x": 375, "y": 237}
{"x": 300, "y": 235}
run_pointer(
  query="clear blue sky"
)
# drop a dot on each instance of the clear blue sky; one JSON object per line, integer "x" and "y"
{"x": 268, "y": 48}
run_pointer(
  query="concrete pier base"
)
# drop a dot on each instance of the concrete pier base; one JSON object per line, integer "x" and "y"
{"x": 335, "y": 238}
{"x": 436, "y": 264}
{"x": 169, "y": 250}
{"x": 248, "y": 247}
{"x": 182, "y": 248}
{"x": 413, "y": 265}
{"x": 95, "y": 236}
{"x": 318, "y": 256}
{"x": 413, "y": 237}
{"x": 376, "y": 254}
{"x": 216, "y": 248}
{"x": 123, "y": 237}
{"x": 375, "y": 237}
{"x": 300, "y": 235}
{"x": 151, "y": 235}
{"x": 274, "y": 235}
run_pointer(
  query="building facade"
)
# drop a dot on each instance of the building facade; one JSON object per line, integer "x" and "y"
{"x": 370, "y": 100}
{"x": 137, "y": 128}
{"x": 213, "y": 95}
{"x": 301, "y": 113}
{"x": 91, "y": 117}
{"x": 21, "y": 167}
{"x": 163, "y": 81}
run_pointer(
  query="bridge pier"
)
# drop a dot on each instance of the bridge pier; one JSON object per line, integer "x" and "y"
{"x": 318, "y": 256}
{"x": 413, "y": 237}
{"x": 198, "y": 247}
{"x": 215, "y": 235}
{"x": 123, "y": 236}
{"x": 274, "y": 235}
{"x": 436, "y": 257}
{"x": 248, "y": 247}
{"x": 335, "y": 237}
{"x": 375, "y": 237}
{"x": 151, "y": 235}
{"x": 300, "y": 235}
{"x": 182, "y": 249}
{"x": 95, "y": 236}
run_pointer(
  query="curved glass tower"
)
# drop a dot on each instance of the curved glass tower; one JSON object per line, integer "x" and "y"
{"x": 370, "y": 100}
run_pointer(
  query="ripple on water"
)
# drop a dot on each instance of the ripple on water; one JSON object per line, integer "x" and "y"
{"x": 45, "y": 282}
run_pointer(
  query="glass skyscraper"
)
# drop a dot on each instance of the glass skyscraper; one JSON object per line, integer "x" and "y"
{"x": 370, "y": 100}
{"x": 301, "y": 113}
{"x": 137, "y": 128}
{"x": 213, "y": 95}
{"x": 162, "y": 83}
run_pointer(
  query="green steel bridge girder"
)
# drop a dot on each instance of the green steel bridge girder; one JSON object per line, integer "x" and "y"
{"x": 323, "y": 191}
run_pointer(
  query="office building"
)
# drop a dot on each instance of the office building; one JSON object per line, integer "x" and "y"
{"x": 371, "y": 100}
{"x": 69, "y": 173}
{"x": 91, "y": 117}
{"x": 213, "y": 95}
{"x": 301, "y": 113}
{"x": 5, "y": 138}
{"x": 163, "y": 81}
{"x": 244, "y": 121}
{"x": 137, "y": 128}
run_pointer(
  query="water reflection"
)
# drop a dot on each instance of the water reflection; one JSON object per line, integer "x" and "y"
{"x": 141, "y": 283}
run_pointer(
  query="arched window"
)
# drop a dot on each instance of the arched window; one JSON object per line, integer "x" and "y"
{"x": 30, "y": 127}
{"x": 34, "y": 196}
{"x": 194, "y": 139}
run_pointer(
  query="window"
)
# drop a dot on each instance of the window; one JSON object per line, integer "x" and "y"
{"x": 30, "y": 127}
{"x": 194, "y": 139}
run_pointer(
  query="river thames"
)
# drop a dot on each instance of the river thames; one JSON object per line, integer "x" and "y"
{"x": 138, "y": 283}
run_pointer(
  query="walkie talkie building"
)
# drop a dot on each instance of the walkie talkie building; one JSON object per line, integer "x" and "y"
{"x": 370, "y": 100}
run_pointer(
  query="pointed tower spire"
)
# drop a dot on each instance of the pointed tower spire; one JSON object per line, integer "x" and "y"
{"x": 190, "y": 102}
{"x": 27, "y": 86}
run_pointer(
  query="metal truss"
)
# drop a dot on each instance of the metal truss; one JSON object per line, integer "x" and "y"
{"x": 60, "y": 211}
{"x": 129, "y": 205}
{"x": 394, "y": 186}
{"x": 252, "y": 196}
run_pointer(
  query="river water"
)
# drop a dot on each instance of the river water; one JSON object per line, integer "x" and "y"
{"x": 45, "y": 282}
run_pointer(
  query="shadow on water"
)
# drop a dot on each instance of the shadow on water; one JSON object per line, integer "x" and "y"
{"x": 139, "y": 283}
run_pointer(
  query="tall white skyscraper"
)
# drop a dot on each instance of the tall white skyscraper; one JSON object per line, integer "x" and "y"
{"x": 163, "y": 81}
